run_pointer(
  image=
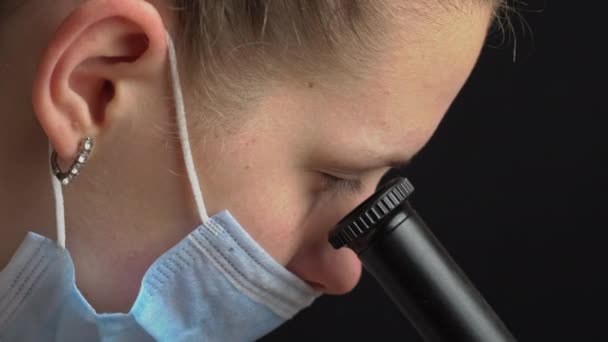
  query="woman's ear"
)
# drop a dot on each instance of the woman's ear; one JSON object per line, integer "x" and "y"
{"x": 101, "y": 53}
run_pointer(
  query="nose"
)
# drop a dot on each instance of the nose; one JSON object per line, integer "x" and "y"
{"x": 326, "y": 269}
{"x": 331, "y": 271}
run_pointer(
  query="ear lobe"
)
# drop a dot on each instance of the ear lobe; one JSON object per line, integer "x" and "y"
{"x": 97, "y": 57}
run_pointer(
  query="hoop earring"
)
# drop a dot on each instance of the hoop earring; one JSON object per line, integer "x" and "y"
{"x": 85, "y": 148}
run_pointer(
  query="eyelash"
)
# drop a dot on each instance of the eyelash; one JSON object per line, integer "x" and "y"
{"x": 337, "y": 184}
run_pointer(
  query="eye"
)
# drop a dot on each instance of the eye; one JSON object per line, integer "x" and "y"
{"x": 343, "y": 185}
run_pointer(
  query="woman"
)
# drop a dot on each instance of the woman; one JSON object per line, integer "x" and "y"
{"x": 295, "y": 110}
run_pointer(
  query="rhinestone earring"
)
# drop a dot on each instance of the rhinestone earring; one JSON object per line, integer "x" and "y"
{"x": 85, "y": 148}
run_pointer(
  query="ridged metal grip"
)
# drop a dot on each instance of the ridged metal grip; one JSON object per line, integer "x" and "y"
{"x": 363, "y": 218}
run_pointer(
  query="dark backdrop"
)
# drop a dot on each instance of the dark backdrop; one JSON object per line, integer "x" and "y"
{"x": 514, "y": 184}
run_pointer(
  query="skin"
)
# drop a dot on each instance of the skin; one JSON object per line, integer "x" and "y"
{"x": 132, "y": 201}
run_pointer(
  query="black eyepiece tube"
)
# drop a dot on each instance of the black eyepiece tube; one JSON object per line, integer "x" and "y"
{"x": 415, "y": 270}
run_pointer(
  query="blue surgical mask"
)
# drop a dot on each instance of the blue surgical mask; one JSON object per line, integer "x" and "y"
{"x": 217, "y": 284}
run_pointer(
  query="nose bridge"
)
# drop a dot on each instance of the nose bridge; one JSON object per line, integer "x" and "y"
{"x": 340, "y": 206}
{"x": 333, "y": 210}
{"x": 354, "y": 201}
{"x": 318, "y": 263}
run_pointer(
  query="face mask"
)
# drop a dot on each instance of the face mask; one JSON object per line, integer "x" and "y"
{"x": 217, "y": 284}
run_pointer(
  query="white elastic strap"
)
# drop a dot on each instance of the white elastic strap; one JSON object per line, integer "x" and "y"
{"x": 183, "y": 133}
{"x": 186, "y": 150}
{"x": 59, "y": 206}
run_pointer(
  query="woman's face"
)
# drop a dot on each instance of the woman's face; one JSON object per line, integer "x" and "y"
{"x": 272, "y": 173}
{"x": 276, "y": 173}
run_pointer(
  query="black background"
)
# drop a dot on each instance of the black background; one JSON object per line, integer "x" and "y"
{"x": 514, "y": 184}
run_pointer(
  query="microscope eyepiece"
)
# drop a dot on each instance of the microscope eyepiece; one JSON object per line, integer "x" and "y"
{"x": 415, "y": 270}
{"x": 357, "y": 229}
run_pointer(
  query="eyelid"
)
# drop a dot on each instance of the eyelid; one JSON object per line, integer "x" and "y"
{"x": 347, "y": 185}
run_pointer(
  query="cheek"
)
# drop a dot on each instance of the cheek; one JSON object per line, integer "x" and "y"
{"x": 262, "y": 191}
{"x": 272, "y": 217}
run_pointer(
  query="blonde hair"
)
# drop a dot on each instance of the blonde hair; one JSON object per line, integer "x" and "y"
{"x": 240, "y": 44}
{"x": 232, "y": 48}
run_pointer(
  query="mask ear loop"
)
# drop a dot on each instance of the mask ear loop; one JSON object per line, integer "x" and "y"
{"x": 183, "y": 133}
{"x": 59, "y": 204}
{"x": 186, "y": 150}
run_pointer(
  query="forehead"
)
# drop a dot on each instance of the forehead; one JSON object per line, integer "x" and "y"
{"x": 398, "y": 102}
{"x": 388, "y": 110}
